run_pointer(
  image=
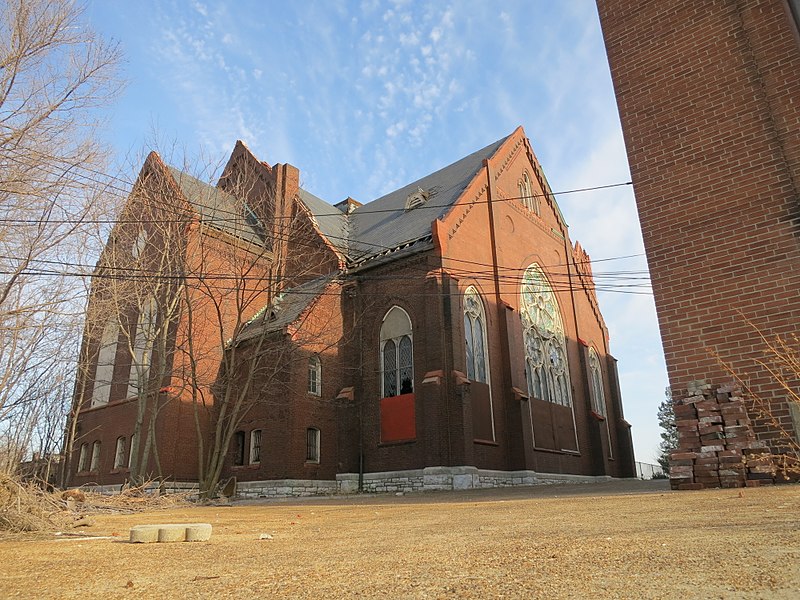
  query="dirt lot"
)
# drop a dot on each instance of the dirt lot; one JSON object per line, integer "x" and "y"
{"x": 592, "y": 541}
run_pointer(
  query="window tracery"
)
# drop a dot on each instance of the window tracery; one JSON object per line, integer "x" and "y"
{"x": 546, "y": 366}
{"x": 397, "y": 354}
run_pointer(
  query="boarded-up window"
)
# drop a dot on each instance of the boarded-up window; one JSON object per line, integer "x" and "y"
{"x": 398, "y": 418}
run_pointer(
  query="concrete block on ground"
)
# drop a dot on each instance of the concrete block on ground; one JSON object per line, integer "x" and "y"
{"x": 176, "y": 532}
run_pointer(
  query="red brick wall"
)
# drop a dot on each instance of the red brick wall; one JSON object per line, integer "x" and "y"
{"x": 707, "y": 94}
{"x": 281, "y": 406}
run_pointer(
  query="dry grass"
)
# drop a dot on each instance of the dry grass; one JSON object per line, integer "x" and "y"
{"x": 524, "y": 543}
{"x": 27, "y": 507}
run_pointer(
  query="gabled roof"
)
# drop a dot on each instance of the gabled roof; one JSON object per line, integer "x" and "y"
{"x": 218, "y": 208}
{"x": 286, "y": 308}
{"x": 384, "y": 224}
{"x": 331, "y": 222}
{"x": 379, "y": 228}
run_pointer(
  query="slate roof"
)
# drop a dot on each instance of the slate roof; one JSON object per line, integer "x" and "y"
{"x": 383, "y": 224}
{"x": 378, "y": 231}
{"x": 378, "y": 228}
{"x": 286, "y": 308}
{"x": 218, "y": 209}
{"x": 331, "y": 222}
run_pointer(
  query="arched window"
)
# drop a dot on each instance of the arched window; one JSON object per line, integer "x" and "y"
{"x": 105, "y": 363}
{"x": 314, "y": 376}
{"x": 526, "y": 193}
{"x": 397, "y": 354}
{"x": 596, "y": 380}
{"x": 478, "y": 366}
{"x": 95, "y": 464}
{"x": 546, "y": 365}
{"x": 139, "y": 244}
{"x": 120, "y": 453}
{"x": 475, "y": 336}
{"x": 84, "y": 456}
{"x": 143, "y": 347}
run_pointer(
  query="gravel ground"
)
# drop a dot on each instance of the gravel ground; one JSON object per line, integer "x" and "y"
{"x": 611, "y": 540}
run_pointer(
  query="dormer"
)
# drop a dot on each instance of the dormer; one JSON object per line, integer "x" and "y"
{"x": 417, "y": 198}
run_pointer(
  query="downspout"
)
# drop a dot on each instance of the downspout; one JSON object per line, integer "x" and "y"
{"x": 356, "y": 299}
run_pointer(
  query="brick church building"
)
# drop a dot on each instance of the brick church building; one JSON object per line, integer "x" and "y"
{"x": 708, "y": 95}
{"x": 446, "y": 335}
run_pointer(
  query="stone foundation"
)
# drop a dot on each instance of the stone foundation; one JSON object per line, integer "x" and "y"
{"x": 388, "y": 482}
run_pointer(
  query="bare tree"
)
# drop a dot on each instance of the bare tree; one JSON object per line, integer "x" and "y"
{"x": 54, "y": 75}
{"x": 261, "y": 329}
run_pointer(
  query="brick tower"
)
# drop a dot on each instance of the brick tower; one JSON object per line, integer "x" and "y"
{"x": 709, "y": 98}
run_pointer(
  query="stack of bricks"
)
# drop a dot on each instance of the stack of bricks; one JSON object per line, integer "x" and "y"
{"x": 716, "y": 443}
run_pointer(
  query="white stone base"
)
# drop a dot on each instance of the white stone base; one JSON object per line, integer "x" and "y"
{"x": 283, "y": 488}
{"x": 170, "y": 487}
{"x": 416, "y": 480}
{"x": 453, "y": 478}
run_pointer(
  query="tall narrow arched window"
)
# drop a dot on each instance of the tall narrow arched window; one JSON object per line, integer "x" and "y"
{"x": 397, "y": 354}
{"x": 143, "y": 347}
{"x": 314, "y": 376}
{"x": 596, "y": 381}
{"x": 475, "y": 336}
{"x": 546, "y": 365}
{"x": 480, "y": 392}
{"x": 121, "y": 453}
{"x": 83, "y": 458}
{"x": 95, "y": 463}
{"x": 106, "y": 357}
{"x": 526, "y": 193}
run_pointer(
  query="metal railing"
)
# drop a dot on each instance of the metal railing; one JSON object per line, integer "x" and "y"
{"x": 648, "y": 470}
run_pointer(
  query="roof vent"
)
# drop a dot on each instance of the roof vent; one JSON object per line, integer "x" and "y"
{"x": 417, "y": 198}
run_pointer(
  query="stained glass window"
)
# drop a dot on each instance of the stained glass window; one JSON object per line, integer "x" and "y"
{"x": 596, "y": 381}
{"x": 526, "y": 194}
{"x": 397, "y": 354}
{"x": 546, "y": 365}
{"x": 474, "y": 325}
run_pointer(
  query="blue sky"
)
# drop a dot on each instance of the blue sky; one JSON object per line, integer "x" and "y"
{"x": 364, "y": 97}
